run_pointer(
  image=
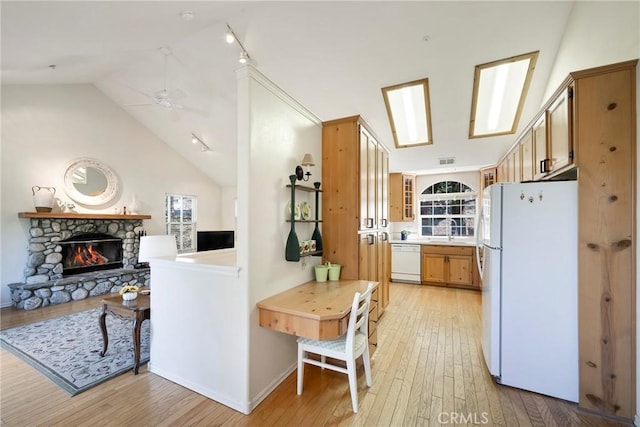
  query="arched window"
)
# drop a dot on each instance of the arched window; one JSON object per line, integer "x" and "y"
{"x": 448, "y": 208}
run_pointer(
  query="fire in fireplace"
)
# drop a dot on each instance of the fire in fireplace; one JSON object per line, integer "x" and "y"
{"x": 90, "y": 252}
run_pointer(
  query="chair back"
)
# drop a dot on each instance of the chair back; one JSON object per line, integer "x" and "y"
{"x": 359, "y": 318}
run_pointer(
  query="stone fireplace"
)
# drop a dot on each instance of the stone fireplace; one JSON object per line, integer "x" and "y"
{"x": 72, "y": 257}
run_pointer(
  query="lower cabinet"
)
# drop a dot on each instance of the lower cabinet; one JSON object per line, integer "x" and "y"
{"x": 449, "y": 266}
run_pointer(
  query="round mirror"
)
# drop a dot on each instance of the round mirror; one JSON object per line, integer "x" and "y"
{"x": 90, "y": 182}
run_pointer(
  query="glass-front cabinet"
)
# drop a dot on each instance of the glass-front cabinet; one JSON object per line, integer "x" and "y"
{"x": 401, "y": 197}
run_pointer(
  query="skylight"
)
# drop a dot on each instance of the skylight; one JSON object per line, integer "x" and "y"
{"x": 499, "y": 91}
{"x": 409, "y": 113}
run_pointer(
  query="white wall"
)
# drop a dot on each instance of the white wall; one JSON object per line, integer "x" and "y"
{"x": 597, "y": 33}
{"x": 228, "y": 208}
{"x": 45, "y": 127}
{"x": 601, "y": 33}
{"x": 274, "y": 133}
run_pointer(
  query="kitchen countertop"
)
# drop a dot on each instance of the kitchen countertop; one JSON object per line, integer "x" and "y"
{"x": 443, "y": 242}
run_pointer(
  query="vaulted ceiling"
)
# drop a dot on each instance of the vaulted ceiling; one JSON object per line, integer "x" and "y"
{"x": 333, "y": 57}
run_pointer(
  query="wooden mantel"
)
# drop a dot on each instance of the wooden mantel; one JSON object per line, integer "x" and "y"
{"x": 76, "y": 215}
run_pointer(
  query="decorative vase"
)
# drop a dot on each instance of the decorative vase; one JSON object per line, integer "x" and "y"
{"x": 134, "y": 207}
{"x": 334, "y": 272}
{"x": 321, "y": 273}
{"x": 43, "y": 198}
{"x": 128, "y": 296}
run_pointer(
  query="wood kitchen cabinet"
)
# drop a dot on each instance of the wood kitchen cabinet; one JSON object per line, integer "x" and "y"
{"x": 545, "y": 149}
{"x": 539, "y": 135}
{"x": 449, "y": 266}
{"x": 526, "y": 154}
{"x": 553, "y": 137}
{"x": 355, "y": 202}
{"x": 605, "y": 130}
{"x": 587, "y": 131}
{"x": 401, "y": 197}
{"x": 515, "y": 164}
{"x": 488, "y": 176}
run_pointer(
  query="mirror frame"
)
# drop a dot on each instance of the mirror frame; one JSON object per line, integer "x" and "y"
{"x": 107, "y": 195}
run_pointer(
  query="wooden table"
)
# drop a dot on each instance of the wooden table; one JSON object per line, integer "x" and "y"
{"x": 316, "y": 310}
{"x": 138, "y": 309}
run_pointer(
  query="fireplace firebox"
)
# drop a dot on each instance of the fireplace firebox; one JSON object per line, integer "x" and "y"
{"x": 90, "y": 252}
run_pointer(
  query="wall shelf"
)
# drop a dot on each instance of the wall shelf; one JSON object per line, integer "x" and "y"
{"x": 291, "y": 250}
{"x": 305, "y": 188}
{"x": 75, "y": 215}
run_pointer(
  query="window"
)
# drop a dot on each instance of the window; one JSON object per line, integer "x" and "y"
{"x": 499, "y": 90}
{"x": 448, "y": 208}
{"x": 409, "y": 113}
{"x": 181, "y": 220}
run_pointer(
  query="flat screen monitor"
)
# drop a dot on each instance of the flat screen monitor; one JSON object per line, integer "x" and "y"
{"x": 210, "y": 240}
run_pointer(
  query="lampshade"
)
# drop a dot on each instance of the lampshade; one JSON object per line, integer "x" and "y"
{"x": 156, "y": 246}
{"x": 307, "y": 160}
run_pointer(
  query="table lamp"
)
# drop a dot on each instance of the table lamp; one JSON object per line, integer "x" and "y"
{"x": 155, "y": 246}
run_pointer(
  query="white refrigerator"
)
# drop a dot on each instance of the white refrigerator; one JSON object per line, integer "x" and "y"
{"x": 528, "y": 242}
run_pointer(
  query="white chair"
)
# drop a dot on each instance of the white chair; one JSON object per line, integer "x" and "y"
{"x": 353, "y": 344}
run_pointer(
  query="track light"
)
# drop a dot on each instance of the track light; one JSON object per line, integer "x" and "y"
{"x": 230, "y": 37}
{"x": 196, "y": 140}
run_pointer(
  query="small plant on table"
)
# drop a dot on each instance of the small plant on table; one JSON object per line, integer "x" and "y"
{"x": 129, "y": 292}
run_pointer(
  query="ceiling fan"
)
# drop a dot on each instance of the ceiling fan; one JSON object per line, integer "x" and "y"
{"x": 164, "y": 98}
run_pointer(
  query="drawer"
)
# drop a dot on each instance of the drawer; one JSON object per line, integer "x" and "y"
{"x": 448, "y": 250}
{"x": 373, "y": 312}
{"x": 373, "y": 337}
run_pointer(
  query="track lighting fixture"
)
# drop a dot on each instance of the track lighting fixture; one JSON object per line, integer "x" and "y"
{"x": 196, "y": 140}
{"x": 230, "y": 37}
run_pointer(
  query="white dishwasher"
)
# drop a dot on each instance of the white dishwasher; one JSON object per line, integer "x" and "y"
{"x": 405, "y": 262}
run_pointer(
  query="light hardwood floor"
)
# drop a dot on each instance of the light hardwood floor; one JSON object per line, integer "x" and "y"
{"x": 428, "y": 370}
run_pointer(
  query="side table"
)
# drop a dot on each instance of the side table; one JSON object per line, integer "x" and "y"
{"x": 138, "y": 309}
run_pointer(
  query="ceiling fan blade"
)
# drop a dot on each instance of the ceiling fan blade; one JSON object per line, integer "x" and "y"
{"x": 137, "y": 90}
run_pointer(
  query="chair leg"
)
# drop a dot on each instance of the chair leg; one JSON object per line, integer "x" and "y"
{"x": 367, "y": 366}
{"x": 300, "y": 368}
{"x": 353, "y": 383}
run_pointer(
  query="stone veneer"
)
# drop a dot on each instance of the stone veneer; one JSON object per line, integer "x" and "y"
{"x": 44, "y": 283}
{"x": 80, "y": 286}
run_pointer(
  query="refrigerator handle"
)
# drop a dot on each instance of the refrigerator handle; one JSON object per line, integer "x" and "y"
{"x": 479, "y": 241}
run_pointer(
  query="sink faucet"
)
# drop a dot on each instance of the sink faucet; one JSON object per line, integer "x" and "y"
{"x": 450, "y": 224}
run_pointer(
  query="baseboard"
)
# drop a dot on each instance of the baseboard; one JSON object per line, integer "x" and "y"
{"x": 272, "y": 386}
{"x": 242, "y": 407}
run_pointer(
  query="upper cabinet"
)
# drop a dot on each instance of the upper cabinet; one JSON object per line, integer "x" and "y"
{"x": 488, "y": 176}
{"x": 545, "y": 149}
{"x": 401, "y": 197}
{"x": 526, "y": 155}
{"x": 559, "y": 118}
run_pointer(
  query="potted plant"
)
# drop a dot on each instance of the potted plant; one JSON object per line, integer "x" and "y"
{"x": 129, "y": 292}
{"x": 404, "y": 234}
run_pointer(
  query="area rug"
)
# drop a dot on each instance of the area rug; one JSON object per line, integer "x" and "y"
{"x": 67, "y": 349}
